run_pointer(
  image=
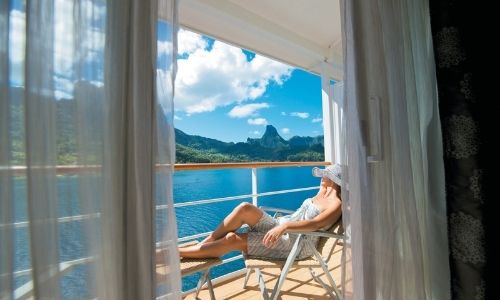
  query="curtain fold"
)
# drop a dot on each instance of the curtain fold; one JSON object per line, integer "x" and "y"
{"x": 394, "y": 158}
{"x": 40, "y": 137}
{"x": 7, "y": 204}
{"x": 169, "y": 279}
{"x": 462, "y": 83}
{"x": 84, "y": 126}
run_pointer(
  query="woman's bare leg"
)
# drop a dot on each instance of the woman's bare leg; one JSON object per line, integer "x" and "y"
{"x": 230, "y": 242}
{"x": 245, "y": 213}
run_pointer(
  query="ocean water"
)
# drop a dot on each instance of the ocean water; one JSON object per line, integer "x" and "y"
{"x": 188, "y": 186}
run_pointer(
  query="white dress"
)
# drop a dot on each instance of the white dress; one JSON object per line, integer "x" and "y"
{"x": 280, "y": 250}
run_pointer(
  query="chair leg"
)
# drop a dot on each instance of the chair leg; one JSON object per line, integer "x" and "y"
{"x": 210, "y": 287}
{"x": 326, "y": 271}
{"x": 201, "y": 281}
{"x": 328, "y": 275}
{"x": 247, "y": 276}
{"x": 334, "y": 285}
{"x": 323, "y": 284}
{"x": 288, "y": 264}
{"x": 262, "y": 284}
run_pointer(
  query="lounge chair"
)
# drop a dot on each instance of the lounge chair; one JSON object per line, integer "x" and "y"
{"x": 323, "y": 252}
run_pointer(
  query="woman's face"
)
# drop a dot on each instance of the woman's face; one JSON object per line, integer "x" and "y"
{"x": 326, "y": 182}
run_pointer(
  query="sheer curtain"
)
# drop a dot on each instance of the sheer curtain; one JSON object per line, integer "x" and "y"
{"x": 393, "y": 148}
{"x": 87, "y": 149}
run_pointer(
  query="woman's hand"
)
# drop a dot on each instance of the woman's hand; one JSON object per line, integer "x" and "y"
{"x": 273, "y": 235}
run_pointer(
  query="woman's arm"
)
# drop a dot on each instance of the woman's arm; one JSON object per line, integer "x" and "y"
{"x": 325, "y": 218}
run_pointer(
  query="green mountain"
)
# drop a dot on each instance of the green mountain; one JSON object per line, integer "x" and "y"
{"x": 189, "y": 148}
{"x": 270, "y": 139}
{"x": 270, "y": 147}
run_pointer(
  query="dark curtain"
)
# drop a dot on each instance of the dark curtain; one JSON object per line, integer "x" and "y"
{"x": 465, "y": 110}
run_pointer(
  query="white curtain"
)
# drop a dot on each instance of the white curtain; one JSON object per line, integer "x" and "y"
{"x": 87, "y": 149}
{"x": 395, "y": 205}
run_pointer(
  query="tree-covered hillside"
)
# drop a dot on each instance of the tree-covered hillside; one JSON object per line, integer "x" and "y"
{"x": 271, "y": 147}
{"x": 189, "y": 148}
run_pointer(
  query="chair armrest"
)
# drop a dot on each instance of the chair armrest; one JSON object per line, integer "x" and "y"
{"x": 275, "y": 209}
{"x": 320, "y": 234}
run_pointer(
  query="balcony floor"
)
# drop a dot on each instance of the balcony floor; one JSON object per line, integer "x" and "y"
{"x": 298, "y": 285}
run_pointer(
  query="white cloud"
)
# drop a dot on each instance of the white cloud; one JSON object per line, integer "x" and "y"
{"x": 17, "y": 36}
{"x": 89, "y": 37}
{"x": 317, "y": 120}
{"x": 283, "y": 113}
{"x": 64, "y": 53}
{"x": 63, "y": 87}
{"x": 93, "y": 47}
{"x": 221, "y": 76}
{"x": 93, "y": 34}
{"x": 164, "y": 47}
{"x": 255, "y": 132}
{"x": 93, "y": 9}
{"x": 91, "y": 43}
{"x": 189, "y": 42}
{"x": 17, "y": 46}
{"x": 257, "y": 121}
{"x": 302, "y": 115}
{"x": 285, "y": 130}
{"x": 245, "y": 110}
{"x": 176, "y": 117}
{"x": 164, "y": 89}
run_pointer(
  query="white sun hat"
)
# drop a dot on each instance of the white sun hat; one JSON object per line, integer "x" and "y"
{"x": 333, "y": 172}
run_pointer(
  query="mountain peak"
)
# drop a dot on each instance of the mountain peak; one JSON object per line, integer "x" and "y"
{"x": 271, "y": 130}
{"x": 271, "y": 138}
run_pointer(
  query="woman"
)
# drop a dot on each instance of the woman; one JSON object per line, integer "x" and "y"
{"x": 267, "y": 236}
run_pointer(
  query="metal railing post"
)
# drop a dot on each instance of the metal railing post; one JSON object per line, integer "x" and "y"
{"x": 254, "y": 187}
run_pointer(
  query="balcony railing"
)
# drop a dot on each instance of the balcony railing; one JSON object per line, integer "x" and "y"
{"x": 70, "y": 170}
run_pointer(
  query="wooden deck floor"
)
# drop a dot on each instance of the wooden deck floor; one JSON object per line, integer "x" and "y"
{"x": 298, "y": 285}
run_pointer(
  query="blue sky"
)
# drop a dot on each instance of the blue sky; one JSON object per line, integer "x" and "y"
{"x": 222, "y": 91}
{"x": 229, "y": 94}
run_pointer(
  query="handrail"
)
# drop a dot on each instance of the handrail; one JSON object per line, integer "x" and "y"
{"x": 74, "y": 169}
{"x": 22, "y": 224}
{"x": 67, "y": 219}
{"x": 62, "y": 265}
{"x": 223, "y": 199}
{"x": 248, "y": 165}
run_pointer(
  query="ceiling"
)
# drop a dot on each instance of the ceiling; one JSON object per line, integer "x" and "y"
{"x": 302, "y": 33}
